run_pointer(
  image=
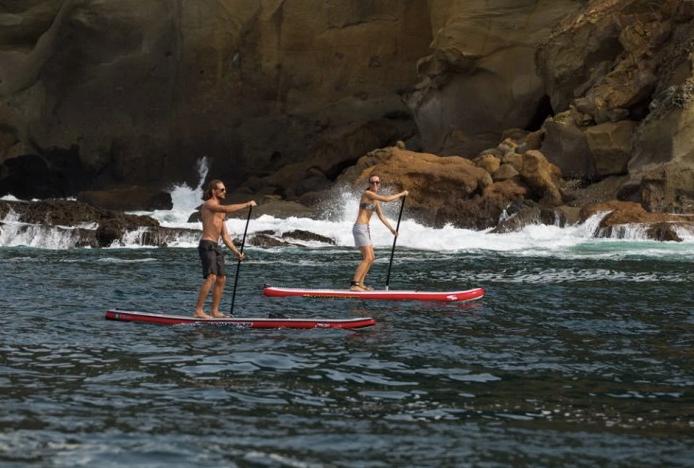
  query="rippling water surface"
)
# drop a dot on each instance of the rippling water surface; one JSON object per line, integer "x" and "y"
{"x": 579, "y": 360}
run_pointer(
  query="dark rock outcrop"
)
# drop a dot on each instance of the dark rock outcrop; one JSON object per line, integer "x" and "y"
{"x": 132, "y": 198}
{"x": 86, "y": 226}
{"x": 269, "y": 239}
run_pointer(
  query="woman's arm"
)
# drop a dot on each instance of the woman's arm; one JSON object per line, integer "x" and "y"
{"x": 385, "y": 198}
{"x": 383, "y": 219}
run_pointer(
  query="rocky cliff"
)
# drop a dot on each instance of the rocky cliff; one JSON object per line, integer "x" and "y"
{"x": 96, "y": 93}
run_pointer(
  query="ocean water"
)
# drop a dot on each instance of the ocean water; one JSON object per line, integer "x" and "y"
{"x": 581, "y": 353}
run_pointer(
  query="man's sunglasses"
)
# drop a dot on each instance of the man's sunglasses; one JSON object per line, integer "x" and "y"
{"x": 221, "y": 190}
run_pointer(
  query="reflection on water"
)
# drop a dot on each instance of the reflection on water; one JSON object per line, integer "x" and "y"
{"x": 585, "y": 360}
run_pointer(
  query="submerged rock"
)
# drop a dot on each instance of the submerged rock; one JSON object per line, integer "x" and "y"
{"x": 301, "y": 235}
{"x": 269, "y": 239}
{"x": 624, "y": 215}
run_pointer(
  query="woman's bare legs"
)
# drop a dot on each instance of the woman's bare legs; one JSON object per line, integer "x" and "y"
{"x": 368, "y": 257}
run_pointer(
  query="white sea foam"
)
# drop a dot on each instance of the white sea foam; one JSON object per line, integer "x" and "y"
{"x": 533, "y": 240}
{"x": 125, "y": 260}
{"x": 554, "y": 276}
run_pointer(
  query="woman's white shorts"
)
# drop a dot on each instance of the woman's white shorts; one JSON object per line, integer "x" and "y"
{"x": 362, "y": 235}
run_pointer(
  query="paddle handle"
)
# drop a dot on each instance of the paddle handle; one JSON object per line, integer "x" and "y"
{"x": 395, "y": 239}
{"x": 238, "y": 264}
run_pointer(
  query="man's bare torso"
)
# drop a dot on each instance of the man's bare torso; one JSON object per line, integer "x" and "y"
{"x": 212, "y": 222}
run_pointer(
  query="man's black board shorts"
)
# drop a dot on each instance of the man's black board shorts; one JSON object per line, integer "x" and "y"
{"x": 212, "y": 258}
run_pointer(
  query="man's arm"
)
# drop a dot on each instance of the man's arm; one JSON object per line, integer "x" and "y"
{"x": 230, "y": 243}
{"x": 216, "y": 207}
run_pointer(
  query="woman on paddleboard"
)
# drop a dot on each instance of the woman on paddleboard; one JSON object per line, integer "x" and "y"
{"x": 369, "y": 203}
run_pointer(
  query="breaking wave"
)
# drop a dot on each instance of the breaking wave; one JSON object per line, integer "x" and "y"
{"x": 532, "y": 240}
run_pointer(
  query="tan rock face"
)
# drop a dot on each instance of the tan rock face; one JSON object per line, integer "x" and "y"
{"x": 489, "y": 163}
{"x": 481, "y": 77}
{"x": 565, "y": 145}
{"x": 442, "y": 189}
{"x": 506, "y": 171}
{"x": 615, "y": 62}
{"x": 453, "y": 189}
{"x": 141, "y": 90}
{"x": 542, "y": 177}
{"x": 431, "y": 180}
{"x": 605, "y": 55}
{"x": 611, "y": 146}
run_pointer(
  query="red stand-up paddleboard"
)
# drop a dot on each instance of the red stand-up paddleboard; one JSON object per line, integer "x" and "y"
{"x": 451, "y": 296}
{"x": 245, "y": 322}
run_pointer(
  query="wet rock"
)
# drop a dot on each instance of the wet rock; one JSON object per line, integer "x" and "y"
{"x": 133, "y": 198}
{"x": 632, "y": 211}
{"x": 488, "y": 162}
{"x": 508, "y": 146}
{"x": 579, "y": 194}
{"x": 506, "y": 191}
{"x": 270, "y": 239}
{"x": 517, "y": 135}
{"x": 104, "y": 227}
{"x": 567, "y": 215}
{"x": 565, "y": 144}
{"x": 493, "y": 151}
{"x": 622, "y": 215}
{"x": 664, "y": 232}
{"x": 515, "y": 160}
{"x": 542, "y": 177}
{"x": 506, "y": 171}
{"x": 307, "y": 236}
{"x": 109, "y": 231}
{"x": 611, "y": 145}
{"x": 523, "y": 213}
{"x": 267, "y": 241}
{"x": 532, "y": 141}
{"x": 668, "y": 187}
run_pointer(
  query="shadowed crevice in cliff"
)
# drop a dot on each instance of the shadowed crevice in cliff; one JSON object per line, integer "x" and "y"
{"x": 543, "y": 110}
{"x": 54, "y": 173}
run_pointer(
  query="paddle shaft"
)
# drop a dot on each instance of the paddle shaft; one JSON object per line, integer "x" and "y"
{"x": 395, "y": 239}
{"x": 238, "y": 264}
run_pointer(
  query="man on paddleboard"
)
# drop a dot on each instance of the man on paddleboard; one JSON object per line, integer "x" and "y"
{"x": 212, "y": 213}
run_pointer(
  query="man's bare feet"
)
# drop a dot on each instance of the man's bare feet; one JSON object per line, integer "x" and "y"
{"x": 217, "y": 314}
{"x": 201, "y": 315}
{"x": 357, "y": 287}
